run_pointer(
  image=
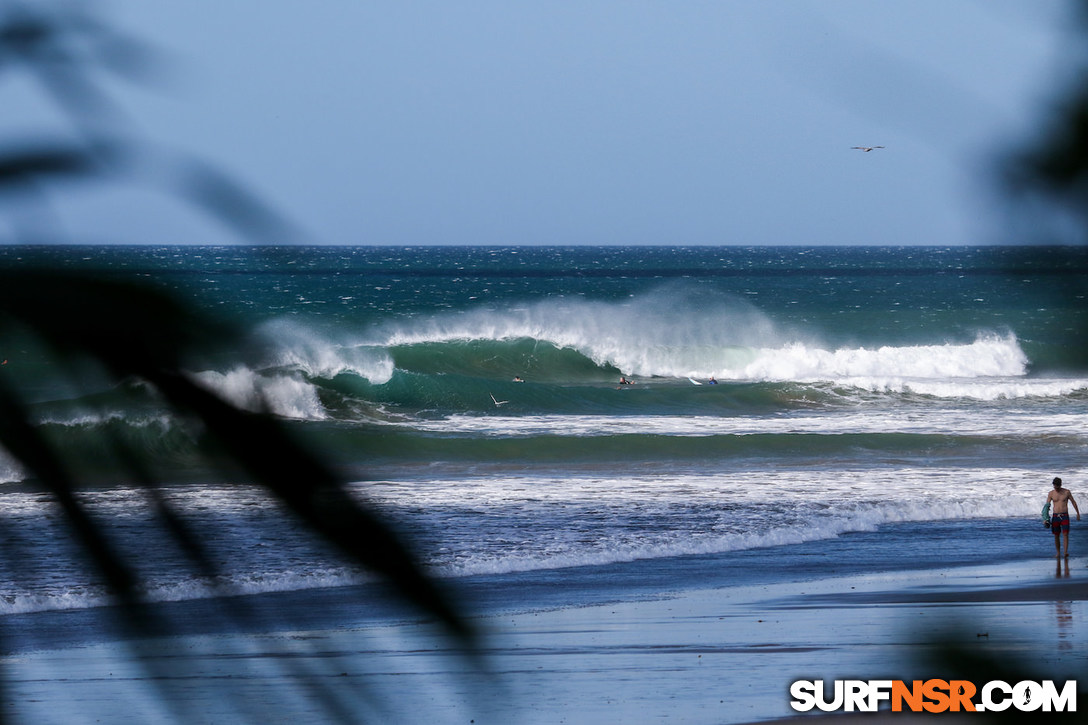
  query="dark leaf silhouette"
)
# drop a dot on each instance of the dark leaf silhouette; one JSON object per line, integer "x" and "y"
{"x": 120, "y": 331}
{"x": 30, "y": 165}
{"x": 135, "y": 331}
{"x": 1053, "y": 169}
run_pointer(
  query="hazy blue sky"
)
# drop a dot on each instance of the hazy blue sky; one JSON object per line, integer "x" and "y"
{"x": 588, "y": 122}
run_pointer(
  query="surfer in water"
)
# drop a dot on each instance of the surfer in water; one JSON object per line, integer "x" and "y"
{"x": 1059, "y": 500}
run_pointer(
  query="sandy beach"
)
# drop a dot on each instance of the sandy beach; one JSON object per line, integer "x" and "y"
{"x": 702, "y": 656}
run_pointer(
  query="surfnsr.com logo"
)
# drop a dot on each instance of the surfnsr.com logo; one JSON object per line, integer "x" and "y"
{"x": 933, "y": 696}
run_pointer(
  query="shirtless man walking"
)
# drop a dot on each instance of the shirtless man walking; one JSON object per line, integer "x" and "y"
{"x": 1059, "y": 499}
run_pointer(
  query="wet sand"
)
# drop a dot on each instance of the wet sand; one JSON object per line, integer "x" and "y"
{"x": 702, "y": 656}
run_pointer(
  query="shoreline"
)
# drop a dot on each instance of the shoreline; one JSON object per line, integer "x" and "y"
{"x": 723, "y": 655}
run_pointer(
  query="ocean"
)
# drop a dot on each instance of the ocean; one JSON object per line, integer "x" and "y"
{"x": 791, "y": 413}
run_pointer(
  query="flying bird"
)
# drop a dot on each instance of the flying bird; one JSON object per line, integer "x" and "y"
{"x": 866, "y": 149}
{"x": 498, "y": 402}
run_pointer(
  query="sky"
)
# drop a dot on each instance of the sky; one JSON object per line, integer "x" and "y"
{"x": 503, "y": 122}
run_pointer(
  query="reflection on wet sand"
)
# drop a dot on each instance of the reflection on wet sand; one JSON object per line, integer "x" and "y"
{"x": 1063, "y": 611}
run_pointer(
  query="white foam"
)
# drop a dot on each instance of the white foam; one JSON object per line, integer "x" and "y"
{"x": 904, "y": 487}
{"x": 298, "y": 348}
{"x": 542, "y": 522}
{"x": 928, "y": 420}
{"x": 699, "y": 514}
{"x": 848, "y": 518}
{"x": 725, "y": 338}
{"x": 279, "y": 379}
{"x": 281, "y": 394}
{"x": 86, "y": 597}
{"x": 653, "y": 335}
{"x": 997, "y": 388}
{"x": 10, "y": 470}
{"x": 90, "y": 419}
{"x": 988, "y": 356}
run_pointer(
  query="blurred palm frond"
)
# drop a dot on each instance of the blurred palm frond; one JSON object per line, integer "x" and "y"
{"x": 132, "y": 331}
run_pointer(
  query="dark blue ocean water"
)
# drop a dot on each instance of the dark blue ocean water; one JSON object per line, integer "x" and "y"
{"x": 856, "y": 397}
